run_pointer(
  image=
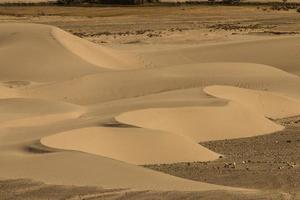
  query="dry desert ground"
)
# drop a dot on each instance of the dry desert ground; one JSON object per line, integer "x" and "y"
{"x": 149, "y": 102}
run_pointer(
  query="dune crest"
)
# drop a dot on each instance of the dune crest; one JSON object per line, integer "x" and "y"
{"x": 95, "y": 54}
{"x": 65, "y": 92}
{"x": 133, "y": 145}
{"x": 270, "y": 104}
{"x": 203, "y": 123}
{"x": 112, "y": 85}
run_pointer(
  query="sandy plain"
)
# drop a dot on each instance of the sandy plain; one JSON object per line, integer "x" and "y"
{"x": 160, "y": 104}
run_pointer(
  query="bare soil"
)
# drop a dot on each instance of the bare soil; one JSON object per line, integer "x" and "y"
{"x": 23, "y": 189}
{"x": 269, "y": 162}
{"x": 160, "y": 24}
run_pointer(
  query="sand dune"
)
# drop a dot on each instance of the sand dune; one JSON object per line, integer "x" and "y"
{"x": 74, "y": 168}
{"x": 271, "y": 105}
{"x": 95, "y": 54}
{"x": 16, "y": 108}
{"x": 53, "y": 49}
{"x": 34, "y": 46}
{"x": 271, "y": 52}
{"x": 66, "y": 92}
{"x": 109, "y": 86}
{"x": 6, "y": 92}
{"x": 132, "y": 145}
{"x": 203, "y": 123}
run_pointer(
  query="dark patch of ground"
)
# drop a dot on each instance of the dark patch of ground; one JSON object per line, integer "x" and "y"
{"x": 268, "y": 162}
{"x": 26, "y": 189}
{"x": 23, "y": 189}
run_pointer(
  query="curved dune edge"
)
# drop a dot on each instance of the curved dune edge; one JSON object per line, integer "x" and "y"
{"x": 132, "y": 145}
{"x": 270, "y": 104}
{"x": 103, "y": 87}
{"x": 203, "y": 123}
{"x": 81, "y": 169}
{"x": 40, "y": 120}
{"x": 22, "y": 111}
{"x": 7, "y": 92}
{"x": 93, "y": 53}
{"x": 40, "y": 57}
{"x": 70, "y": 62}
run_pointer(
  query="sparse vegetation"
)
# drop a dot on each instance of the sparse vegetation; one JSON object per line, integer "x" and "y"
{"x": 284, "y": 5}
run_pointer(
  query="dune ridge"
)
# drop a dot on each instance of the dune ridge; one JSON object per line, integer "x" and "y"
{"x": 270, "y": 104}
{"x": 81, "y": 99}
{"x": 95, "y": 54}
{"x": 133, "y": 145}
{"x": 203, "y": 123}
{"x": 103, "y": 87}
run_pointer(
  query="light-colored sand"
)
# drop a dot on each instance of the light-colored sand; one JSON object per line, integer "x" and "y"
{"x": 17, "y": 108}
{"x": 271, "y": 105}
{"x": 74, "y": 168}
{"x": 66, "y": 93}
{"x": 268, "y": 51}
{"x": 133, "y": 145}
{"x": 203, "y": 123}
{"x": 6, "y": 92}
{"x": 109, "y": 86}
{"x": 30, "y": 53}
{"x": 95, "y": 54}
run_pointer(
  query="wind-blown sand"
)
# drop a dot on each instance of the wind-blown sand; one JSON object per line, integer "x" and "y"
{"x": 67, "y": 106}
{"x": 269, "y": 104}
{"x": 132, "y": 145}
{"x": 203, "y": 123}
{"x": 95, "y": 54}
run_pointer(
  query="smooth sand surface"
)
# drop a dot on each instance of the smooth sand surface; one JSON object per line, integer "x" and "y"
{"x": 72, "y": 95}
{"x": 41, "y": 56}
{"x": 95, "y": 54}
{"x": 271, "y": 51}
{"x": 203, "y": 123}
{"x": 132, "y": 145}
{"x": 103, "y": 87}
{"x": 271, "y": 105}
{"x": 18, "y": 107}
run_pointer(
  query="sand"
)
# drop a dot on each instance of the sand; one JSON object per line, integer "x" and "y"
{"x": 203, "y": 123}
{"x": 77, "y": 113}
{"x": 122, "y": 144}
{"x": 95, "y": 54}
{"x": 271, "y": 105}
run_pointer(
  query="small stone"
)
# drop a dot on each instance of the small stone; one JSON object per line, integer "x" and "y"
{"x": 226, "y": 165}
{"x": 233, "y": 165}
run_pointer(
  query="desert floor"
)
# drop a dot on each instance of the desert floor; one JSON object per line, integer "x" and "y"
{"x": 151, "y": 102}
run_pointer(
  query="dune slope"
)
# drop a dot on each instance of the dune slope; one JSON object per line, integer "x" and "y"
{"x": 203, "y": 123}
{"x": 271, "y": 105}
{"x": 272, "y": 51}
{"x": 46, "y": 53}
{"x": 79, "y": 100}
{"x": 95, "y": 54}
{"x": 132, "y": 145}
{"x": 109, "y": 86}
